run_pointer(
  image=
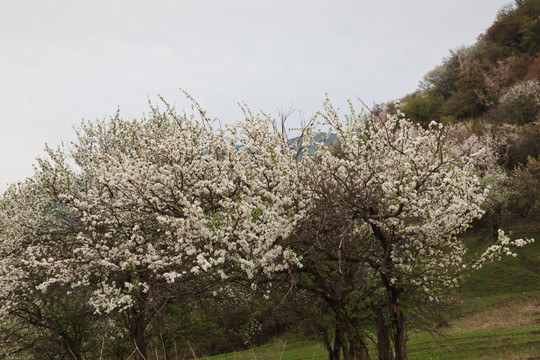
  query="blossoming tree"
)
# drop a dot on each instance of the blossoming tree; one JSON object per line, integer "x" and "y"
{"x": 159, "y": 209}
{"x": 392, "y": 197}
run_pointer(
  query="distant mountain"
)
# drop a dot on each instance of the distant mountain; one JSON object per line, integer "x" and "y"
{"x": 321, "y": 138}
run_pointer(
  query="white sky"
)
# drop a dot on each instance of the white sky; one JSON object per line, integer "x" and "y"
{"x": 62, "y": 61}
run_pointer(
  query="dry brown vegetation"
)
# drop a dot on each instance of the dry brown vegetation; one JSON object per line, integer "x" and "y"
{"x": 514, "y": 314}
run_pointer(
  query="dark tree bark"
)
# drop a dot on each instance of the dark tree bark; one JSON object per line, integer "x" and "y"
{"x": 384, "y": 344}
{"x": 327, "y": 344}
{"x": 399, "y": 327}
{"x": 338, "y": 339}
{"x": 357, "y": 349}
{"x": 138, "y": 321}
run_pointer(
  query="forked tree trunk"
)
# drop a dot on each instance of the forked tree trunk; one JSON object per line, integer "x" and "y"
{"x": 334, "y": 352}
{"x": 327, "y": 344}
{"x": 353, "y": 349}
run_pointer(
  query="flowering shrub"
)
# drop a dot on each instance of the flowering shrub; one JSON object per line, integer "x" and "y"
{"x": 410, "y": 190}
{"x": 497, "y": 80}
{"x": 520, "y": 104}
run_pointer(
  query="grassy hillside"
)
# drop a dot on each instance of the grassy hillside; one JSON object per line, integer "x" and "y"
{"x": 498, "y": 315}
{"x": 500, "y": 310}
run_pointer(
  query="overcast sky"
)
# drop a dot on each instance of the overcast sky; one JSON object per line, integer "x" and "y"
{"x": 62, "y": 61}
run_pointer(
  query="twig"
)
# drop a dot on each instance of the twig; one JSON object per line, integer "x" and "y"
{"x": 192, "y": 351}
{"x": 112, "y": 352}
{"x": 198, "y": 107}
{"x": 74, "y": 356}
{"x": 130, "y": 355}
{"x": 101, "y": 351}
{"x": 163, "y": 344}
{"x": 137, "y": 349}
{"x": 283, "y": 350}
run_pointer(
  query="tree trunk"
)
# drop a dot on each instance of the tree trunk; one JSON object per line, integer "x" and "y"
{"x": 338, "y": 337}
{"x": 357, "y": 349}
{"x": 400, "y": 334}
{"x": 137, "y": 327}
{"x": 327, "y": 344}
{"x": 384, "y": 344}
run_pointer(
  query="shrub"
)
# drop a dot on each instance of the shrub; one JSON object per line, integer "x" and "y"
{"x": 518, "y": 143}
{"x": 464, "y": 101}
{"x": 497, "y": 79}
{"x": 533, "y": 70}
{"x": 525, "y": 183}
{"x": 423, "y": 109}
{"x": 520, "y": 104}
{"x": 529, "y": 34}
{"x": 441, "y": 80}
{"x": 505, "y": 32}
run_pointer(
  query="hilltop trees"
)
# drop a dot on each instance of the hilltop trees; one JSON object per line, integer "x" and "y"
{"x": 488, "y": 80}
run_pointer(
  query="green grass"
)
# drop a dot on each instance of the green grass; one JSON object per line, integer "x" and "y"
{"x": 510, "y": 275}
{"x": 507, "y": 280}
{"x": 508, "y": 330}
{"x": 499, "y": 317}
{"x": 288, "y": 347}
{"x": 490, "y": 344}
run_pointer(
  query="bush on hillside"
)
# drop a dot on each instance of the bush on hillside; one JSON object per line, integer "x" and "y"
{"x": 520, "y": 104}
{"x": 518, "y": 143}
{"x": 423, "y": 109}
{"x": 464, "y": 102}
{"x": 533, "y": 70}
{"x": 525, "y": 183}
